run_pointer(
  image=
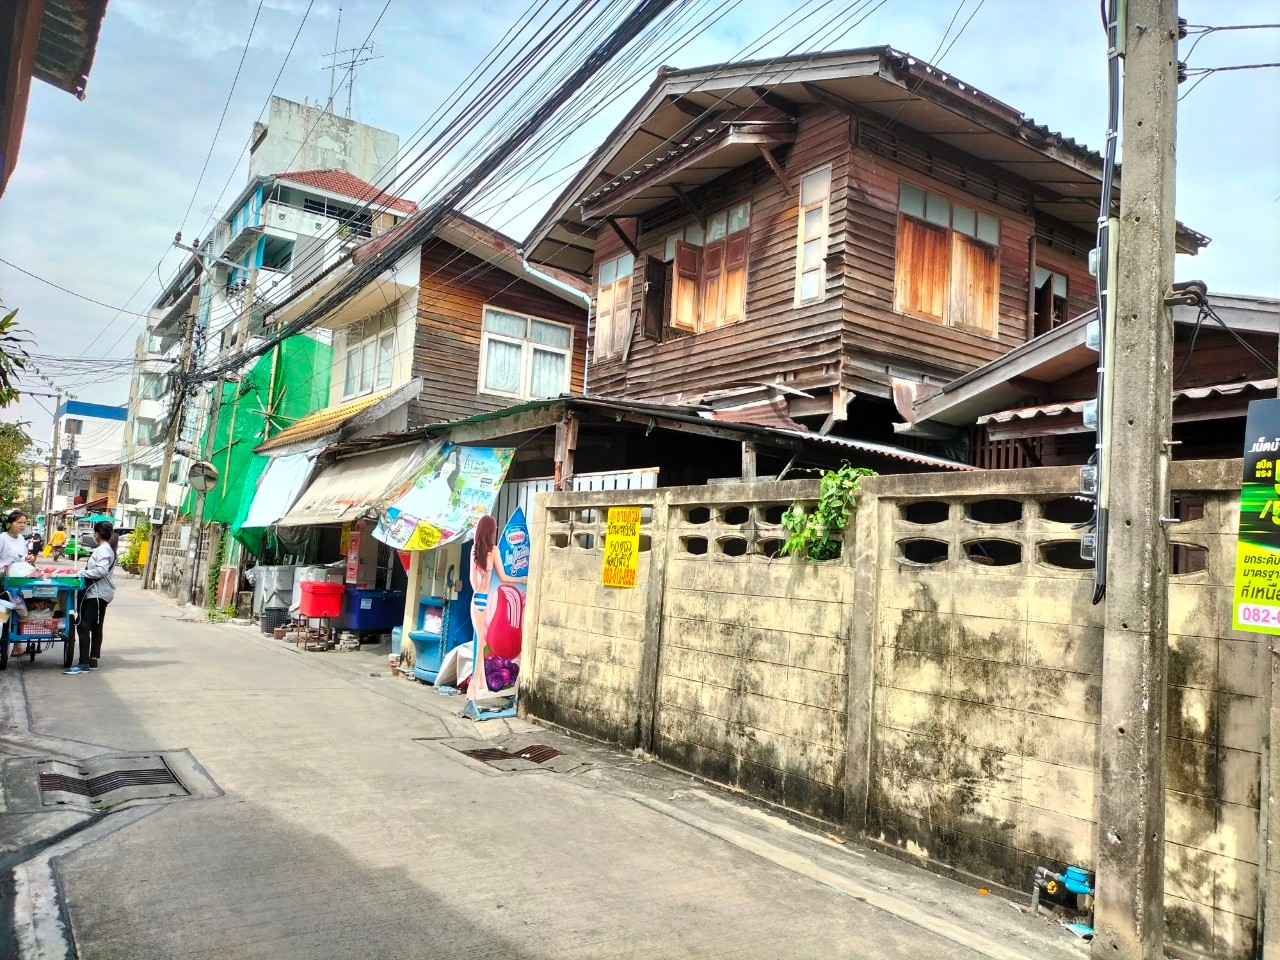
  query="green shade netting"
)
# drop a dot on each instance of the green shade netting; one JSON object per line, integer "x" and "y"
{"x": 276, "y": 393}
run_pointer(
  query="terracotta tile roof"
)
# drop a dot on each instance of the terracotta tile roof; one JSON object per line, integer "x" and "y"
{"x": 348, "y": 185}
{"x": 321, "y": 423}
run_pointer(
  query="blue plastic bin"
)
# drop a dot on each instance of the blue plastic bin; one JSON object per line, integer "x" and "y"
{"x": 367, "y": 611}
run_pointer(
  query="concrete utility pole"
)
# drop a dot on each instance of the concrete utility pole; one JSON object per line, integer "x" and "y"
{"x": 1129, "y": 915}
{"x": 197, "y": 520}
{"x": 186, "y": 366}
{"x": 51, "y": 482}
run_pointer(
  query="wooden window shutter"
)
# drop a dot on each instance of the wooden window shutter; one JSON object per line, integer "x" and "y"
{"x": 735, "y": 277}
{"x": 684, "y": 294}
{"x": 975, "y": 283}
{"x": 622, "y": 324}
{"x": 604, "y": 321}
{"x": 655, "y": 304}
{"x": 922, "y": 270}
{"x": 711, "y": 313}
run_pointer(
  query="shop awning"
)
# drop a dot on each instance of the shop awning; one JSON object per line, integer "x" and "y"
{"x": 348, "y": 488}
{"x": 282, "y": 481}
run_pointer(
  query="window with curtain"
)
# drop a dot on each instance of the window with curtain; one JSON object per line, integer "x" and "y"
{"x": 522, "y": 357}
{"x": 369, "y": 359}
{"x": 811, "y": 244}
{"x": 948, "y": 262}
{"x": 613, "y": 307}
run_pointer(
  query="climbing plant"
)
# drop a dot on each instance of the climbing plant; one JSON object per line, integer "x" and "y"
{"x": 216, "y": 560}
{"x": 816, "y": 532}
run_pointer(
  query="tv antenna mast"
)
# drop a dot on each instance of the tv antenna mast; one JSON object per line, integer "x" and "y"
{"x": 354, "y": 57}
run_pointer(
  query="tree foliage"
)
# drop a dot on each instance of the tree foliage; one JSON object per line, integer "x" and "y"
{"x": 13, "y": 357}
{"x": 13, "y": 467}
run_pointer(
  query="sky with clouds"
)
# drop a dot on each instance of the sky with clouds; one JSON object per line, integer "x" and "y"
{"x": 102, "y": 186}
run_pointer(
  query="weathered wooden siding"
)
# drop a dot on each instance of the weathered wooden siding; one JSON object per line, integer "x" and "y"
{"x": 455, "y": 288}
{"x": 880, "y": 342}
{"x": 776, "y": 341}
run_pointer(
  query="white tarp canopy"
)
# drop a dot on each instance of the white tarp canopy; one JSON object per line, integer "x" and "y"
{"x": 345, "y": 490}
{"x": 278, "y": 488}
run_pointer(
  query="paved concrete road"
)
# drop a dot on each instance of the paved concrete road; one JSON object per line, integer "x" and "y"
{"x": 347, "y": 830}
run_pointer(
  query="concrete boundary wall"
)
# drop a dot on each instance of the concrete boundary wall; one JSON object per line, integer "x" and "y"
{"x": 936, "y": 688}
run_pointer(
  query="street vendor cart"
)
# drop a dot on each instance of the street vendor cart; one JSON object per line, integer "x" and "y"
{"x": 44, "y": 615}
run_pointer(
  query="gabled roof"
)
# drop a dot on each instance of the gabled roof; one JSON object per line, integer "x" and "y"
{"x": 685, "y": 113}
{"x": 348, "y": 185}
{"x": 321, "y": 424}
{"x": 68, "y": 41}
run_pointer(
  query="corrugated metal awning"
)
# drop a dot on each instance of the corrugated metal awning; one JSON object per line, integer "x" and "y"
{"x": 348, "y": 488}
{"x": 1047, "y": 410}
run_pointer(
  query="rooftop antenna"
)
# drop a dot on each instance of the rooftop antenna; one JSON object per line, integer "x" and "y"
{"x": 357, "y": 56}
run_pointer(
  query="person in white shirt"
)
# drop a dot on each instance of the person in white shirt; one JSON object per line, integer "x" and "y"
{"x": 13, "y": 541}
{"x": 13, "y": 549}
{"x": 98, "y": 592}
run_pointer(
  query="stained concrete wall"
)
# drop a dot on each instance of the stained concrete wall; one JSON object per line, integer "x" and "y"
{"x": 987, "y": 693}
{"x": 300, "y": 137}
{"x": 938, "y": 687}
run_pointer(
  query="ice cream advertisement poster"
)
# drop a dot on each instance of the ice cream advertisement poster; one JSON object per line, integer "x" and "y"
{"x": 443, "y": 498}
{"x": 1256, "y": 601}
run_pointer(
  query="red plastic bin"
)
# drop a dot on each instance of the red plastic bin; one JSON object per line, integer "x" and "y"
{"x": 320, "y": 598}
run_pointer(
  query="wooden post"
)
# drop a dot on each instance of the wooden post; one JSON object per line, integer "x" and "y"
{"x": 566, "y": 444}
{"x": 1131, "y": 783}
{"x": 748, "y": 460}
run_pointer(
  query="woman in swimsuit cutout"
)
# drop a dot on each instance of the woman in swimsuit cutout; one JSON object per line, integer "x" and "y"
{"x": 486, "y": 563}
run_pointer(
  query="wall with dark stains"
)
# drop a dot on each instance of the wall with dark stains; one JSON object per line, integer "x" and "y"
{"x": 937, "y": 687}
{"x": 986, "y": 692}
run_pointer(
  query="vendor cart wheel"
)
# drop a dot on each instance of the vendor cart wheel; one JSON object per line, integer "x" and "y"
{"x": 32, "y": 650}
{"x": 67, "y": 653}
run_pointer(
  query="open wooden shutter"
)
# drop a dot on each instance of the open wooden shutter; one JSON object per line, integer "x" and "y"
{"x": 656, "y": 303}
{"x": 684, "y": 295}
{"x": 922, "y": 269}
{"x": 622, "y": 324}
{"x": 711, "y": 312}
{"x": 735, "y": 277}
{"x": 975, "y": 284}
{"x": 604, "y": 322}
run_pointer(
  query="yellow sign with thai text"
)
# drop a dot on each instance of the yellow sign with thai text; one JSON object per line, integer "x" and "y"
{"x": 622, "y": 547}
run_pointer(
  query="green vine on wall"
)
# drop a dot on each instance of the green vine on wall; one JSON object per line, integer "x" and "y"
{"x": 817, "y": 533}
{"x": 216, "y": 561}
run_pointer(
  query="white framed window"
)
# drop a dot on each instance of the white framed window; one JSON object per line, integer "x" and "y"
{"x": 368, "y": 361}
{"x": 523, "y": 357}
{"x": 811, "y": 241}
{"x": 613, "y": 306}
{"x": 948, "y": 262}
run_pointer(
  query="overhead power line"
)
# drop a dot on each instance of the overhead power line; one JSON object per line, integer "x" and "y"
{"x": 79, "y": 296}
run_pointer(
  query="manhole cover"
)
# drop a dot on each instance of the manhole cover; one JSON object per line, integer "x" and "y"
{"x": 513, "y": 753}
{"x": 534, "y": 753}
{"x": 107, "y": 781}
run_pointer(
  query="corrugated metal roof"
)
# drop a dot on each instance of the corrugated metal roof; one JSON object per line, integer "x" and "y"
{"x": 320, "y": 424}
{"x": 1047, "y": 410}
{"x": 659, "y": 412}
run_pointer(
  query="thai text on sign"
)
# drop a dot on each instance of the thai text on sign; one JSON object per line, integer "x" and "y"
{"x": 1256, "y": 600}
{"x": 622, "y": 547}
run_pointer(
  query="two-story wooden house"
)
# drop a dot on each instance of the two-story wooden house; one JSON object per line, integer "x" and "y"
{"x": 795, "y": 239}
{"x": 457, "y": 325}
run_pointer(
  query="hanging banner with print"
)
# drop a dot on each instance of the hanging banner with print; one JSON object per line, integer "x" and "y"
{"x": 1256, "y": 601}
{"x": 442, "y": 500}
{"x": 621, "y": 547}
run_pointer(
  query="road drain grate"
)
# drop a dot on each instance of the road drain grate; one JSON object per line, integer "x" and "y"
{"x": 98, "y": 786}
{"x": 105, "y": 782}
{"x": 534, "y": 753}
